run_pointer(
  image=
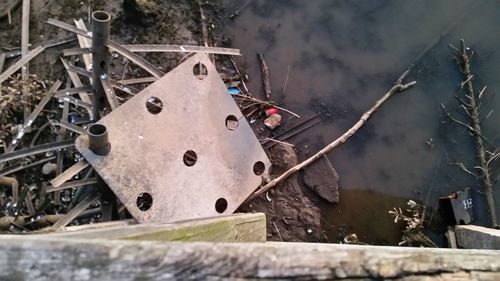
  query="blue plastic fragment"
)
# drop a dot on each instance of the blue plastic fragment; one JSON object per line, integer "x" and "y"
{"x": 233, "y": 91}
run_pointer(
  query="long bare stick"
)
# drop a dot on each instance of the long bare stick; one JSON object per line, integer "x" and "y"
{"x": 398, "y": 87}
{"x": 473, "y": 108}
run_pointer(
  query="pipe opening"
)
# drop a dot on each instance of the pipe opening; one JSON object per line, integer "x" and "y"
{"x": 101, "y": 16}
{"x": 97, "y": 130}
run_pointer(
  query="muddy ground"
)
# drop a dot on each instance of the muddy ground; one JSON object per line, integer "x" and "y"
{"x": 292, "y": 209}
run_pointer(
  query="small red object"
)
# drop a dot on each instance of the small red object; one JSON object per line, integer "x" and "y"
{"x": 271, "y": 111}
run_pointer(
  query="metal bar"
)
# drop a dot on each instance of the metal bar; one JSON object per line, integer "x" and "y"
{"x": 72, "y": 91}
{"x": 294, "y": 132}
{"x": 77, "y": 83}
{"x": 100, "y": 58}
{"x": 28, "y": 121}
{"x": 77, "y": 102}
{"x": 16, "y": 66}
{"x": 42, "y": 104}
{"x": 84, "y": 42}
{"x": 36, "y": 150}
{"x": 110, "y": 94}
{"x": 76, "y": 52}
{"x": 2, "y": 61}
{"x": 60, "y": 154}
{"x": 69, "y": 173}
{"x": 114, "y": 47}
{"x": 79, "y": 70}
{"x": 77, "y": 210}
{"x": 25, "y": 28}
{"x": 29, "y": 203}
{"x": 158, "y": 48}
{"x": 306, "y": 120}
{"x": 16, "y": 168}
{"x": 138, "y": 80}
{"x": 46, "y": 44}
{"x": 69, "y": 126}
{"x": 153, "y": 70}
{"x": 127, "y": 89}
{"x": 72, "y": 184}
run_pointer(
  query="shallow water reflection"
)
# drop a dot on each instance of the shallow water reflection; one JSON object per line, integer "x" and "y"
{"x": 341, "y": 57}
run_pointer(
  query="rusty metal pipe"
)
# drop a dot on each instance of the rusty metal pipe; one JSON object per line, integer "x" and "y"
{"x": 100, "y": 58}
{"x": 98, "y": 139}
{"x": 13, "y": 183}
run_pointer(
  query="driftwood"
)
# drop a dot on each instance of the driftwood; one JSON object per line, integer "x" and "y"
{"x": 33, "y": 258}
{"x": 398, "y": 87}
{"x": 472, "y": 107}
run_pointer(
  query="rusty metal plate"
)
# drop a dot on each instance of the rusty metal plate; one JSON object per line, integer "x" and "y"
{"x": 195, "y": 157}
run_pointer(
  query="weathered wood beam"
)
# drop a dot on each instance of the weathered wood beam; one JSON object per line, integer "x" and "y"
{"x": 32, "y": 258}
{"x": 234, "y": 228}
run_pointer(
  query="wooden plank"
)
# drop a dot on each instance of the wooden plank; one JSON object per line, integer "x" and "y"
{"x": 234, "y": 228}
{"x": 31, "y": 258}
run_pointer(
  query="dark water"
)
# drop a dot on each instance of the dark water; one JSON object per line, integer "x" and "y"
{"x": 341, "y": 57}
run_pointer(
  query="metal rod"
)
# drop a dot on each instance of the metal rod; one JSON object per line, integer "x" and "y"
{"x": 36, "y": 150}
{"x": 114, "y": 47}
{"x": 25, "y": 28}
{"x": 138, "y": 80}
{"x": 98, "y": 139}
{"x": 84, "y": 42}
{"x": 157, "y": 48}
{"x": 77, "y": 83}
{"x": 72, "y": 184}
{"x": 20, "y": 167}
{"x": 16, "y": 66}
{"x": 46, "y": 44}
{"x": 76, "y": 52}
{"x": 76, "y": 211}
{"x": 69, "y": 126}
{"x": 110, "y": 93}
{"x": 72, "y": 91}
{"x": 2, "y": 61}
{"x": 100, "y": 58}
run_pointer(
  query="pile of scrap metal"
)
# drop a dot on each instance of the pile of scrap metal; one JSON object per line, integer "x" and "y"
{"x": 96, "y": 149}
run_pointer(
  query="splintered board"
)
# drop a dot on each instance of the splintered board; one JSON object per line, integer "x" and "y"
{"x": 180, "y": 149}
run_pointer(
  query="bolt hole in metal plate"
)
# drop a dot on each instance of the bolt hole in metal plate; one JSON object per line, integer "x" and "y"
{"x": 187, "y": 158}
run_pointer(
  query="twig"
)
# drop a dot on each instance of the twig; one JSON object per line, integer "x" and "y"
{"x": 277, "y": 141}
{"x": 398, "y": 87}
{"x": 462, "y": 166}
{"x": 264, "y": 70}
{"x": 268, "y": 104}
{"x": 278, "y": 231}
{"x": 286, "y": 80}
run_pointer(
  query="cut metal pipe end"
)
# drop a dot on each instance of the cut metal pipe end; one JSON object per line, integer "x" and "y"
{"x": 101, "y": 16}
{"x": 98, "y": 139}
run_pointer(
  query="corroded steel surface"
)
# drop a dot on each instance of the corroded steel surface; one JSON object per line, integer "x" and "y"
{"x": 149, "y": 150}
